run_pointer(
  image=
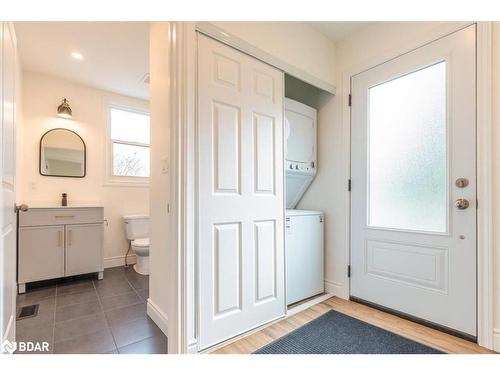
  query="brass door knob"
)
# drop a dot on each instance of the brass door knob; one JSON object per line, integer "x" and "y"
{"x": 462, "y": 203}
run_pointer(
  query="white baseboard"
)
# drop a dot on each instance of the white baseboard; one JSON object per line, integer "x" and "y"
{"x": 193, "y": 347}
{"x": 10, "y": 331}
{"x": 158, "y": 316}
{"x": 119, "y": 260}
{"x": 496, "y": 340}
{"x": 336, "y": 289}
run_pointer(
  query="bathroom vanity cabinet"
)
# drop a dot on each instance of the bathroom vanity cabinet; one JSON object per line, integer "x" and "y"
{"x": 59, "y": 242}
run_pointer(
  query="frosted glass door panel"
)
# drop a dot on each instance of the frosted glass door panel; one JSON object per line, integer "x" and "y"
{"x": 407, "y": 155}
{"x": 413, "y": 134}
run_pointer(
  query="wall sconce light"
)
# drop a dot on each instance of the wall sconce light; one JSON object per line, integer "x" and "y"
{"x": 64, "y": 110}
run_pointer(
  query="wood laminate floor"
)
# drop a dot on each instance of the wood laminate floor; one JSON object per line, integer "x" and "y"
{"x": 414, "y": 331}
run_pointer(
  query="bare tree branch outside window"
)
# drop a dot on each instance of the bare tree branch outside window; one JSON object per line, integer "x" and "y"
{"x": 128, "y": 165}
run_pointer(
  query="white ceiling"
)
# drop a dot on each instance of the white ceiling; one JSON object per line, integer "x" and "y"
{"x": 338, "y": 30}
{"x": 115, "y": 54}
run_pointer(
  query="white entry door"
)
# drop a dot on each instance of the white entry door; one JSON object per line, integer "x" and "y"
{"x": 7, "y": 173}
{"x": 413, "y": 201}
{"x": 240, "y": 192}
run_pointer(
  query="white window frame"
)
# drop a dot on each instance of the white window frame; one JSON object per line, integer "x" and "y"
{"x": 129, "y": 106}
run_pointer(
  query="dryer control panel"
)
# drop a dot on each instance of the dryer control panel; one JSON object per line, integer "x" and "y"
{"x": 302, "y": 167}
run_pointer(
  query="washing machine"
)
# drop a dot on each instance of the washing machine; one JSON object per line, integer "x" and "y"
{"x": 304, "y": 246}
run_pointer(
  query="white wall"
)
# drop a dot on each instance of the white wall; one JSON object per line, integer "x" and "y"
{"x": 41, "y": 96}
{"x": 496, "y": 178}
{"x": 296, "y": 43}
{"x": 328, "y": 192}
{"x": 159, "y": 280}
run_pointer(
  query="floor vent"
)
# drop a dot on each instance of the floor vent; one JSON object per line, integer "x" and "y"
{"x": 28, "y": 312}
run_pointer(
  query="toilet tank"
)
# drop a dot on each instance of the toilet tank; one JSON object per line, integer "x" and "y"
{"x": 136, "y": 226}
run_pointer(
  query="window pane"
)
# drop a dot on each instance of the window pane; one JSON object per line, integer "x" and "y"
{"x": 129, "y": 160}
{"x": 407, "y": 152}
{"x": 129, "y": 126}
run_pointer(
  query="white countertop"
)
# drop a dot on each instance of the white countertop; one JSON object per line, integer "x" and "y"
{"x": 57, "y": 205}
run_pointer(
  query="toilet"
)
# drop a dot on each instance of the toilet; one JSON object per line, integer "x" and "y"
{"x": 137, "y": 229}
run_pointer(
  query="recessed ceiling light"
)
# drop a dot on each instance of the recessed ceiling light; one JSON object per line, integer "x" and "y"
{"x": 77, "y": 55}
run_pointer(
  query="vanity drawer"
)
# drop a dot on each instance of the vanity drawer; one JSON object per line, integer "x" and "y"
{"x": 35, "y": 217}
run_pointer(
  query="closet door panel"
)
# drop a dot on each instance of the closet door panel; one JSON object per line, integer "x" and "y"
{"x": 240, "y": 192}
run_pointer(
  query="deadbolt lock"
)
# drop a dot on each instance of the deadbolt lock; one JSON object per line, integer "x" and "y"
{"x": 461, "y": 182}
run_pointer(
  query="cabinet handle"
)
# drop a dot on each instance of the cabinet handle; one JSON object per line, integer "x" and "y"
{"x": 59, "y": 238}
{"x": 69, "y": 237}
{"x": 64, "y": 216}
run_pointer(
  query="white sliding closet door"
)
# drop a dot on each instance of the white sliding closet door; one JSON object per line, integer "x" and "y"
{"x": 240, "y": 192}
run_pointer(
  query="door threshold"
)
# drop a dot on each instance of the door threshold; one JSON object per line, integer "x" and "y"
{"x": 415, "y": 319}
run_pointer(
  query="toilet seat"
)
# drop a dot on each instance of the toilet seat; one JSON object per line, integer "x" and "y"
{"x": 141, "y": 242}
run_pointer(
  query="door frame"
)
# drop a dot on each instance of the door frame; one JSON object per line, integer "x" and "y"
{"x": 483, "y": 161}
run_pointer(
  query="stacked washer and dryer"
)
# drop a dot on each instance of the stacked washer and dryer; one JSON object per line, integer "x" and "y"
{"x": 304, "y": 243}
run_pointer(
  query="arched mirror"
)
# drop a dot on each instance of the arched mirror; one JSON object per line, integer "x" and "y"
{"x": 62, "y": 154}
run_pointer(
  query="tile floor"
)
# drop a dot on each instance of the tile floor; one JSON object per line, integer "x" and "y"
{"x": 85, "y": 315}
